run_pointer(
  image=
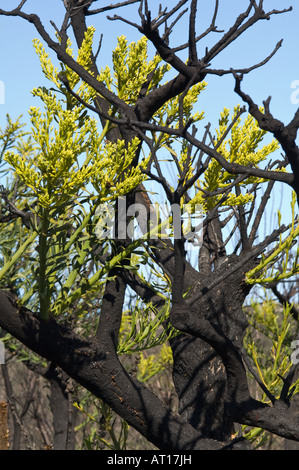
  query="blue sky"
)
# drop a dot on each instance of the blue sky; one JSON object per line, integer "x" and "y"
{"x": 20, "y": 70}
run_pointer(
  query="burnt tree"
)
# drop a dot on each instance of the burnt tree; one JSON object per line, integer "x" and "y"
{"x": 209, "y": 372}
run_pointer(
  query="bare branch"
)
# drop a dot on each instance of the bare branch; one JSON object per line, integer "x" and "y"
{"x": 166, "y": 16}
{"x": 233, "y": 168}
{"x": 260, "y": 211}
{"x": 242, "y": 224}
{"x": 21, "y": 4}
{"x": 246, "y": 70}
{"x": 244, "y": 259}
{"x": 238, "y": 29}
{"x": 215, "y": 13}
{"x": 211, "y": 28}
{"x": 286, "y": 135}
{"x": 193, "y": 58}
{"x": 111, "y": 7}
{"x": 168, "y": 29}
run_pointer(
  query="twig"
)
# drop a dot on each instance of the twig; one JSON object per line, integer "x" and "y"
{"x": 193, "y": 58}
{"x": 246, "y": 70}
{"x": 256, "y": 251}
{"x": 110, "y": 7}
{"x": 256, "y": 376}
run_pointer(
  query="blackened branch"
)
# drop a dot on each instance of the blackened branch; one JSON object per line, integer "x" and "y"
{"x": 285, "y": 135}
{"x": 110, "y": 7}
{"x": 187, "y": 320}
{"x": 193, "y": 59}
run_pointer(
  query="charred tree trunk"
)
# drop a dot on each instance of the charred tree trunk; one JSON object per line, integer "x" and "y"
{"x": 59, "y": 402}
{"x": 4, "y": 444}
{"x": 198, "y": 373}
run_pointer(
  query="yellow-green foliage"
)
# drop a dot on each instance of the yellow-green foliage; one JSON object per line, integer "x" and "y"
{"x": 64, "y": 153}
{"x": 242, "y": 147}
{"x": 52, "y": 73}
{"x": 153, "y": 364}
{"x": 52, "y": 170}
{"x": 169, "y": 115}
{"x": 268, "y": 343}
{"x": 272, "y": 356}
{"x": 110, "y": 164}
{"x": 279, "y": 265}
{"x": 142, "y": 328}
{"x": 56, "y": 169}
{"x": 131, "y": 69}
{"x": 10, "y": 134}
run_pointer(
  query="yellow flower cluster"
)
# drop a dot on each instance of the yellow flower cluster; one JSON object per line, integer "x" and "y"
{"x": 113, "y": 174}
{"x": 69, "y": 153}
{"x": 131, "y": 69}
{"x": 280, "y": 264}
{"x": 153, "y": 364}
{"x": 242, "y": 147}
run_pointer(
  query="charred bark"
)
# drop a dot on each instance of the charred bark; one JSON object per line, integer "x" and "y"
{"x": 209, "y": 374}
